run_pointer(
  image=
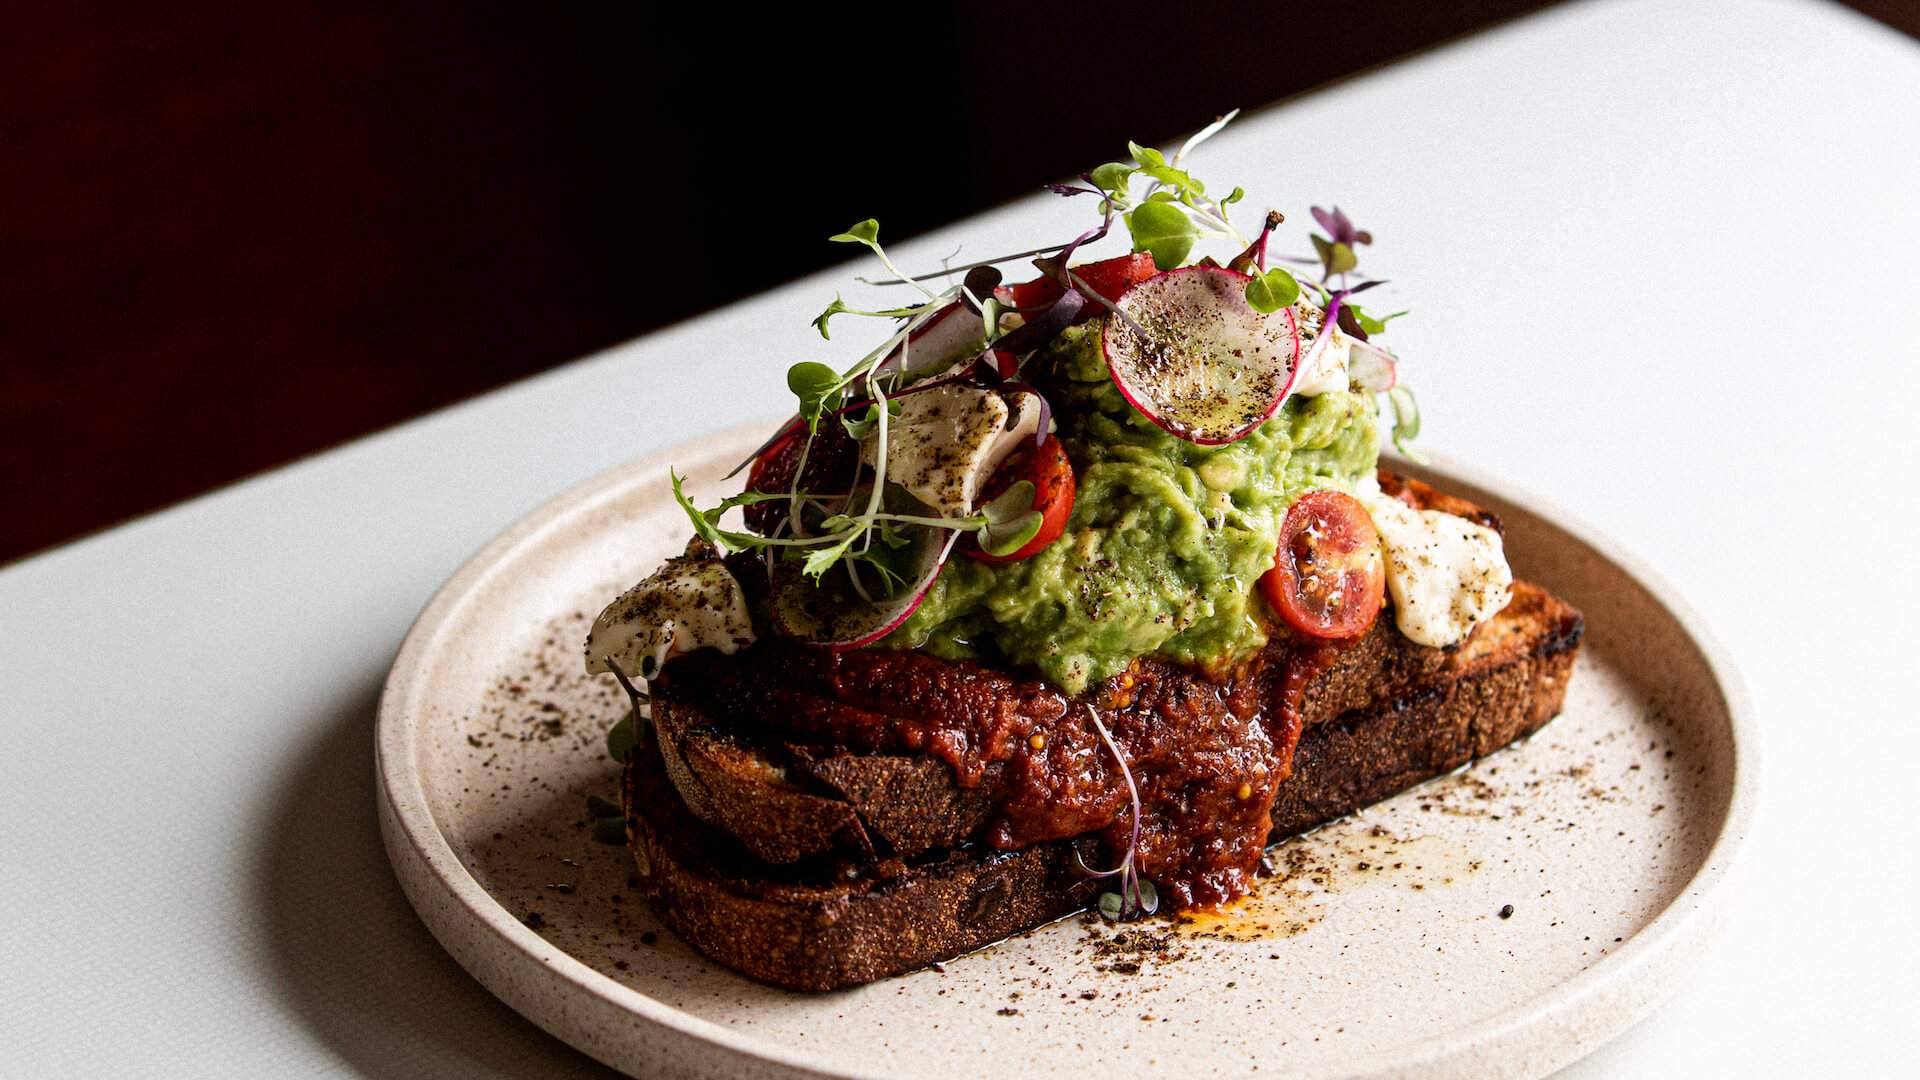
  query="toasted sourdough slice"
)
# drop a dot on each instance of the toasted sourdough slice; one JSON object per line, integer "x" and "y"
{"x": 788, "y": 795}
{"x": 832, "y": 921}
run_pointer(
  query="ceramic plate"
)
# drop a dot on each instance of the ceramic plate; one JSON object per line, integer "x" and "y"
{"x": 1502, "y": 921}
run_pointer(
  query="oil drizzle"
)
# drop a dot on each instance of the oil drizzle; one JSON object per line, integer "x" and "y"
{"x": 1306, "y": 871}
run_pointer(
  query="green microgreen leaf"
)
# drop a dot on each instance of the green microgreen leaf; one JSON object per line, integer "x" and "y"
{"x": 866, "y": 232}
{"x": 820, "y": 560}
{"x": 1163, "y": 230}
{"x": 610, "y": 830}
{"x": 706, "y": 523}
{"x": 703, "y": 526}
{"x": 1113, "y": 178}
{"x": 861, "y": 424}
{"x": 1010, "y": 520}
{"x": 602, "y": 808}
{"x": 1111, "y": 906}
{"x": 816, "y": 385}
{"x": 1273, "y": 290}
{"x": 1368, "y": 322}
{"x": 1335, "y": 258}
{"x": 1406, "y": 422}
{"x": 1007, "y": 537}
{"x": 820, "y": 321}
{"x": 839, "y": 307}
{"x": 620, "y": 738}
{"x": 1147, "y": 156}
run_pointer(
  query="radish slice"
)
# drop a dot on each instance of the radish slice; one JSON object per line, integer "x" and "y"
{"x": 945, "y": 337}
{"x": 1210, "y": 368}
{"x": 1372, "y": 368}
{"x": 832, "y": 613}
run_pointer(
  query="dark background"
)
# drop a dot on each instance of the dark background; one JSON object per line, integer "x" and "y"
{"x": 233, "y": 235}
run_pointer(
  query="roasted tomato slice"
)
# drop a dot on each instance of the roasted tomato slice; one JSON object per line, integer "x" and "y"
{"x": 1046, "y": 467}
{"x": 1328, "y": 577}
{"x": 1108, "y": 277}
{"x": 832, "y": 465}
{"x": 774, "y": 459}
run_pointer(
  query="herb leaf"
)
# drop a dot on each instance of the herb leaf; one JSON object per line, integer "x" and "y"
{"x": 1273, "y": 290}
{"x": 1164, "y": 230}
{"x": 1113, "y": 178}
{"x": 820, "y": 320}
{"x": 706, "y": 523}
{"x": 839, "y": 307}
{"x": 816, "y": 385}
{"x": 602, "y": 808}
{"x": 1406, "y": 422}
{"x": 866, "y": 232}
{"x": 1335, "y": 257}
{"x": 620, "y": 738}
{"x": 1369, "y": 323}
{"x": 1011, "y": 520}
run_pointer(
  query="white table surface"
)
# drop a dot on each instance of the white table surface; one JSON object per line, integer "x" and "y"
{"x": 1661, "y": 261}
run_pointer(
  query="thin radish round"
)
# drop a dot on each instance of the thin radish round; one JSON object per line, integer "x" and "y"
{"x": 1210, "y": 368}
{"x": 1372, "y": 368}
{"x": 833, "y": 613}
{"x": 944, "y": 338}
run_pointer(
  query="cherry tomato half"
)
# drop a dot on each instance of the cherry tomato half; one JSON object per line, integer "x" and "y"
{"x": 1046, "y": 467}
{"x": 1328, "y": 577}
{"x": 1108, "y": 277}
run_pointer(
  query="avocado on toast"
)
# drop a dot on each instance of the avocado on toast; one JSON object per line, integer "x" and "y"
{"x": 1077, "y": 592}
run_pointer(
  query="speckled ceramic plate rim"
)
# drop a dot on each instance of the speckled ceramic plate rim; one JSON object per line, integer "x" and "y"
{"x": 572, "y": 1000}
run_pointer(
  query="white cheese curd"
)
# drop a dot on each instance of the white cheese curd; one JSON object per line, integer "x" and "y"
{"x": 1446, "y": 574}
{"x": 1328, "y": 372}
{"x": 946, "y": 442}
{"x": 690, "y": 603}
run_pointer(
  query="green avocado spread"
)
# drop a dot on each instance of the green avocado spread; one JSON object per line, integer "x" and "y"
{"x": 1166, "y": 540}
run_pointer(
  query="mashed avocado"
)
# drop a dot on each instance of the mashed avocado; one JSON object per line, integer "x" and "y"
{"x": 1166, "y": 541}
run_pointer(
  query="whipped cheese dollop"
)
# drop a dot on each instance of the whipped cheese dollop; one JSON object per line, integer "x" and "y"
{"x": 946, "y": 442}
{"x": 1446, "y": 574}
{"x": 691, "y": 602}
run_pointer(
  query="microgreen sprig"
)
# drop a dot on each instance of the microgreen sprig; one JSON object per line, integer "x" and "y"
{"x": 1137, "y": 895}
{"x": 1166, "y": 211}
{"x": 1174, "y": 212}
{"x": 1002, "y": 525}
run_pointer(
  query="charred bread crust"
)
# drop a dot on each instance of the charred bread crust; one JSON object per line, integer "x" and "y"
{"x": 826, "y": 923}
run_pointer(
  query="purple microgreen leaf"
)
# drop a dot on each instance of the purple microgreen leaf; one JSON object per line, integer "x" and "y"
{"x": 1043, "y": 327}
{"x": 1349, "y": 320}
{"x": 1343, "y": 226}
{"x": 978, "y": 285}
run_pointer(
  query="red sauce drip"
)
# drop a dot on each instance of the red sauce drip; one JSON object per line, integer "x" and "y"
{"x": 1207, "y": 754}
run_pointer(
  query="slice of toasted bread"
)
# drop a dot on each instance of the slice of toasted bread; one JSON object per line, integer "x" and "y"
{"x": 829, "y": 921}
